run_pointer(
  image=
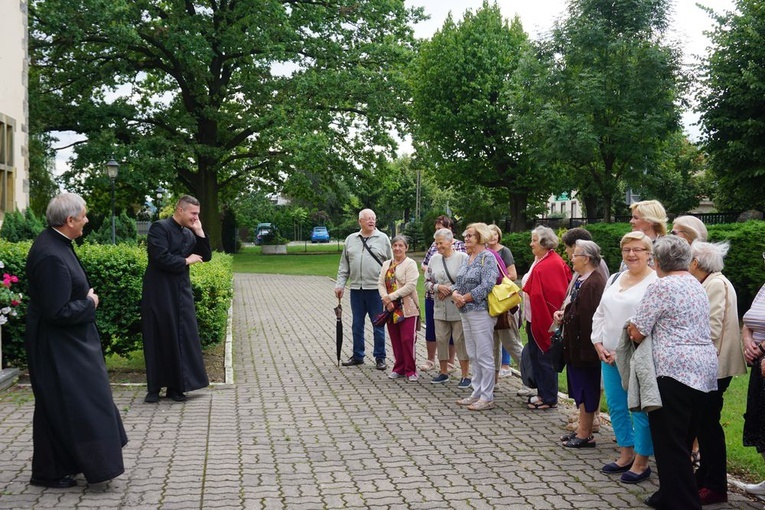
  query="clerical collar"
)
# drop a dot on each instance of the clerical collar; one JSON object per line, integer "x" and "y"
{"x": 62, "y": 234}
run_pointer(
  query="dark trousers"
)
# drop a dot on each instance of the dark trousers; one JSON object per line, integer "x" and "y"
{"x": 673, "y": 428}
{"x": 712, "y": 472}
{"x": 366, "y": 303}
{"x": 544, "y": 374}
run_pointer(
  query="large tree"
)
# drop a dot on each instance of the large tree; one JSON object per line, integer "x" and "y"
{"x": 613, "y": 92}
{"x": 215, "y": 97}
{"x": 732, "y": 106}
{"x": 466, "y": 117}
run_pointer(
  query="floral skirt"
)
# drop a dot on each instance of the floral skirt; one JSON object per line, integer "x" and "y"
{"x": 754, "y": 417}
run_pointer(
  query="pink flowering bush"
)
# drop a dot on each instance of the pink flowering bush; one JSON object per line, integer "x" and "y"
{"x": 9, "y": 299}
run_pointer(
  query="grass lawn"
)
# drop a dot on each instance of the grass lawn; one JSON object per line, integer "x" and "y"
{"x": 744, "y": 463}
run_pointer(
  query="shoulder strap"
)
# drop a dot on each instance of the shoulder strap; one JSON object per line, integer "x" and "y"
{"x": 364, "y": 242}
{"x": 613, "y": 279}
{"x": 443, "y": 260}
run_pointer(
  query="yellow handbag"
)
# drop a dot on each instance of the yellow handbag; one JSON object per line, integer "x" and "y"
{"x": 504, "y": 297}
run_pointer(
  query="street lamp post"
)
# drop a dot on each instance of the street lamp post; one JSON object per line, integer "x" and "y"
{"x": 160, "y": 192}
{"x": 112, "y": 169}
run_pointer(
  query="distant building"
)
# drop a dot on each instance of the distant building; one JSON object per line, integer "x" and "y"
{"x": 564, "y": 205}
{"x": 14, "y": 107}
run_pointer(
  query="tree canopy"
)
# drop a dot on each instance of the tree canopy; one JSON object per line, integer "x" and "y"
{"x": 613, "y": 90}
{"x": 220, "y": 97}
{"x": 732, "y": 106}
{"x": 467, "y": 113}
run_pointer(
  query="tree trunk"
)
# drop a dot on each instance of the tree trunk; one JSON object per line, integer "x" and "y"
{"x": 205, "y": 189}
{"x": 518, "y": 203}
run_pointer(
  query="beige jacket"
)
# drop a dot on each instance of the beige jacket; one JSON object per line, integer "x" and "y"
{"x": 723, "y": 322}
{"x": 407, "y": 274}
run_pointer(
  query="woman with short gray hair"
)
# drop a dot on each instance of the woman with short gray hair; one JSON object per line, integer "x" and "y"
{"x": 439, "y": 277}
{"x": 546, "y": 237}
{"x": 545, "y": 288}
{"x": 706, "y": 265}
{"x": 675, "y": 312}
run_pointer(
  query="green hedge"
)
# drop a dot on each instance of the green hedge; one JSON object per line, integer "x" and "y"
{"x": 744, "y": 266}
{"x": 116, "y": 274}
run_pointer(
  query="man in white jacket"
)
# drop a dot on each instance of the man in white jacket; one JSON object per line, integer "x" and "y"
{"x": 363, "y": 255}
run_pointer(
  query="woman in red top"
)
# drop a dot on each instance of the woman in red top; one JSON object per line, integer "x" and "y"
{"x": 545, "y": 286}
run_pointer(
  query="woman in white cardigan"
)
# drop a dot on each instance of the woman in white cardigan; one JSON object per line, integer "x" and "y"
{"x": 620, "y": 299}
{"x": 707, "y": 262}
{"x": 397, "y": 286}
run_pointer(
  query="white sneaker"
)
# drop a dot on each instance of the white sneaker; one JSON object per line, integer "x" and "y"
{"x": 395, "y": 375}
{"x": 505, "y": 372}
{"x": 755, "y": 488}
{"x": 526, "y": 392}
{"x": 414, "y": 378}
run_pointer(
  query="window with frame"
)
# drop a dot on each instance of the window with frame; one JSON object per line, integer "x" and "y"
{"x": 7, "y": 169}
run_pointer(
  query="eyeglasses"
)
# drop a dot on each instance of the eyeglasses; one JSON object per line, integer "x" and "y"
{"x": 578, "y": 255}
{"x": 468, "y": 236}
{"x": 677, "y": 232}
{"x": 636, "y": 251}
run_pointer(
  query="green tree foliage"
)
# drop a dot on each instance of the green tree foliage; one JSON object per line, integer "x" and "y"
{"x": 678, "y": 181}
{"x": 18, "y": 226}
{"x": 125, "y": 231}
{"x": 732, "y": 106}
{"x": 214, "y": 97}
{"x": 463, "y": 82}
{"x": 613, "y": 93}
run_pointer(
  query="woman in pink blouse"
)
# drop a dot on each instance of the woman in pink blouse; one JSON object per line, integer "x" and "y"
{"x": 675, "y": 312}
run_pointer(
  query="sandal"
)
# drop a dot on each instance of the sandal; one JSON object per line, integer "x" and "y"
{"x": 695, "y": 459}
{"x": 427, "y": 366}
{"x": 578, "y": 442}
{"x": 541, "y": 406}
{"x": 450, "y": 367}
{"x": 568, "y": 437}
{"x": 534, "y": 400}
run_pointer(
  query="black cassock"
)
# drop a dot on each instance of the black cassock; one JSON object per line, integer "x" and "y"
{"x": 171, "y": 345}
{"x": 77, "y": 427}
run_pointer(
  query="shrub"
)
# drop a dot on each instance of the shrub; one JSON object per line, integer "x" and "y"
{"x": 116, "y": 274}
{"x": 125, "y": 231}
{"x": 18, "y": 226}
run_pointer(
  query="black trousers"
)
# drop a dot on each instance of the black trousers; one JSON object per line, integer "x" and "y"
{"x": 712, "y": 472}
{"x": 673, "y": 428}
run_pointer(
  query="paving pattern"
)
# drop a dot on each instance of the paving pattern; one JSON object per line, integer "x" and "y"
{"x": 295, "y": 431}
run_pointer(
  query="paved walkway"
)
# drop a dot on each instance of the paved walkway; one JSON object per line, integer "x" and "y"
{"x": 294, "y": 431}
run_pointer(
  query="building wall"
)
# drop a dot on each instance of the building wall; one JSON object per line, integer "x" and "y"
{"x": 14, "y": 107}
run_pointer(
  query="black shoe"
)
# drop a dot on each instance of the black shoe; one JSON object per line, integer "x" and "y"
{"x": 381, "y": 364}
{"x": 151, "y": 398}
{"x": 352, "y": 362}
{"x": 652, "y": 500}
{"x": 61, "y": 483}
{"x": 176, "y": 395}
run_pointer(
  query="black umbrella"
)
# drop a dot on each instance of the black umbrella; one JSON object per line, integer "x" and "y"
{"x": 339, "y": 330}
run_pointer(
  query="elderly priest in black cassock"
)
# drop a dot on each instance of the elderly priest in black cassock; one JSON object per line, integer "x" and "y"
{"x": 171, "y": 345}
{"x": 76, "y": 426}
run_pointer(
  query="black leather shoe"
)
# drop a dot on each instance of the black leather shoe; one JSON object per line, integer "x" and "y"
{"x": 176, "y": 395}
{"x": 61, "y": 483}
{"x": 151, "y": 398}
{"x": 652, "y": 500}
{"x": 381, "y": 364}
{"x": 352, "y": 362}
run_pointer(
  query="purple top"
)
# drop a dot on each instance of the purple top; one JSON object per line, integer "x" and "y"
{"x": 675, "y": 312}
